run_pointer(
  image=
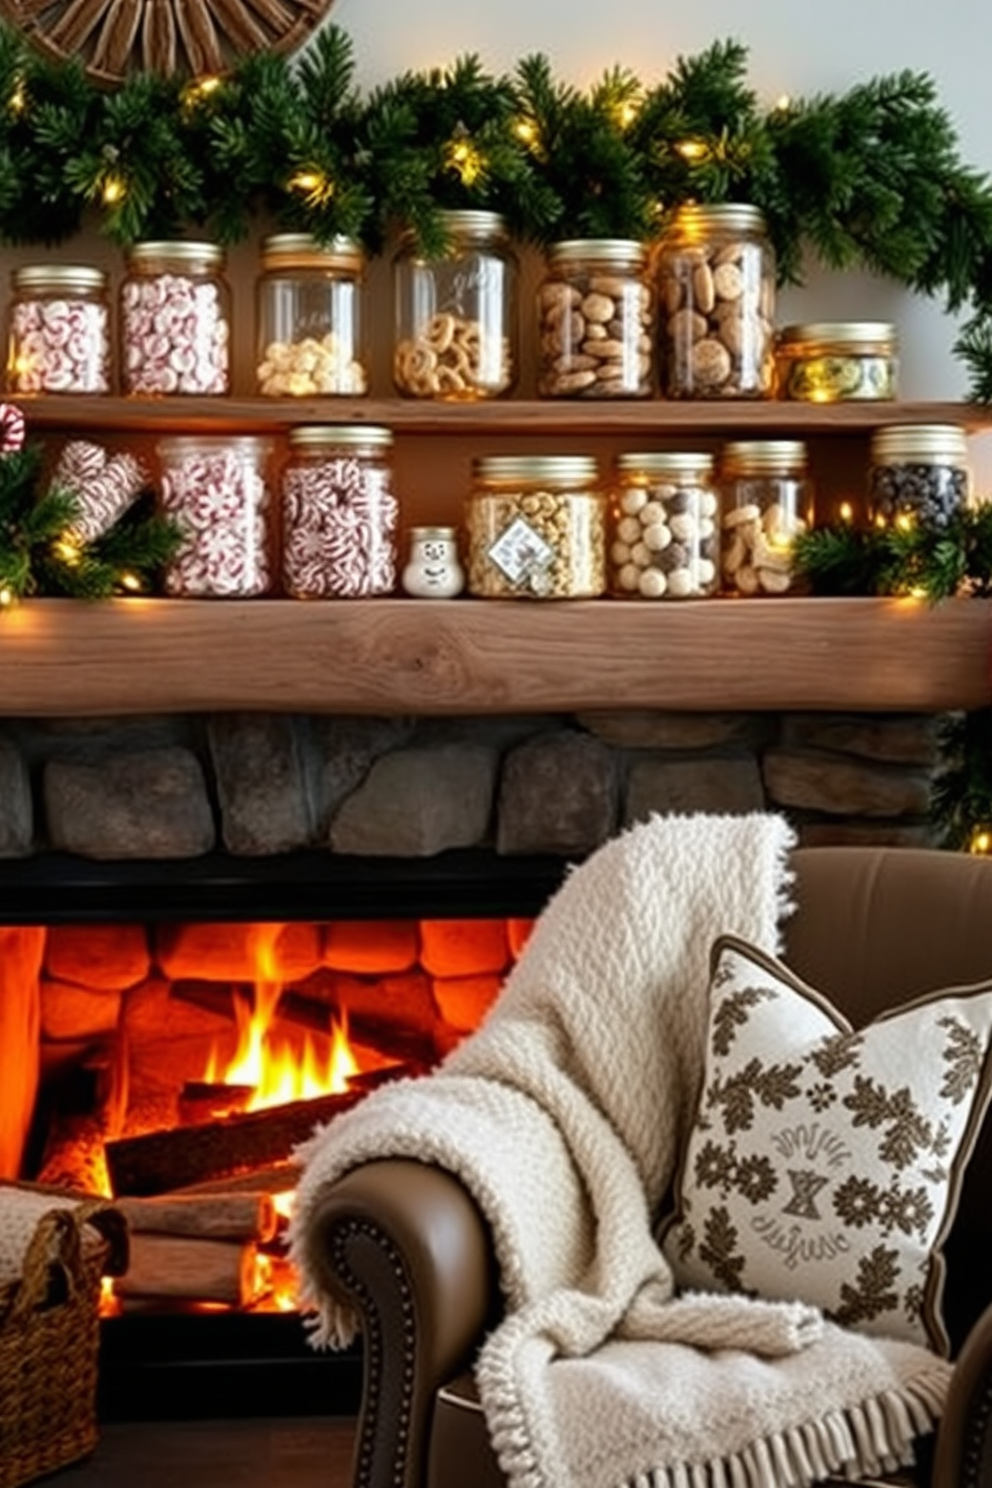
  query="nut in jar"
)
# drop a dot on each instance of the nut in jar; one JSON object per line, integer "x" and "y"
{"x": 767, "y": 504}
{"x": 536, "y": 528}
{"x": 717, "y": 301}
{"x": 596, "y": 321}
{"x": 665, "y": 540}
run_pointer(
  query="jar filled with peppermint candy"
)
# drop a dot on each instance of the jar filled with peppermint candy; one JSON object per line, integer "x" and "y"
{"x": 339, "y": 513}
{"x": 59, "y": 330}
{"x": 175, "y": 320}
{"x": 215, "y": 489}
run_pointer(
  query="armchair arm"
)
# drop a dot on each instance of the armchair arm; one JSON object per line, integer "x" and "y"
{"x": 407, "y": 1245}
{"x": 963, "y": 1449}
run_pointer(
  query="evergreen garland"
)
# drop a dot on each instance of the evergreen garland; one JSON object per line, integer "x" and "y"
{"x": 870, "y": 178}
{"x": 961, "y": 798}
{"x": 906, "y": 557}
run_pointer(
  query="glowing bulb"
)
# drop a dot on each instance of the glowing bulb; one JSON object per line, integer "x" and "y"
{"x": 114, "y": 190}
{"x": 783, "y": 103}
{"x": 526, "y": 130}
{"x": 846, "y": 512}
{"x": 199, "y": 89}
{"x": 691, "y": 149}
{"x": 18, "y": 101}
{"x": 905, "y": 522}
{"x": 313, "y": 184}
{"x": 463, "y": 157}
{"x": 131, "y": 582}
{"x": 981, "y": 841}
{"x": 6, "y": 597}
{"x": 68, "y": 550}
{"x": 626, "y": 114}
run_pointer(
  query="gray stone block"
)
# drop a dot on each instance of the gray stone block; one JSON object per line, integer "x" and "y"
{"x": 147, "y": 805}
{"x": 843, "y": 787}
{"x": 16, "y": 811}
{"x": 558, "y": 794}
{"x": 652, "y": 729}
{"x": 342, "y": 751}
{"x": 655, "y": 784}
{"x": 418, "y": 802}
{"x": 910, "y": 739}
{"x": 262, "y": 788}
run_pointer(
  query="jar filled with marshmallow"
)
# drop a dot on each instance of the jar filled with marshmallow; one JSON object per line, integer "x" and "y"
{"x": 536, "y": 528}
{"x": 311, "y": 318}
{"x": 595, "y": 321}
{"x": 217, "y": 491}
{"x": 456, "y": 313}
{"x": 665, "y": 536}
{"x": 767, "y": 502}
{"x": 716, "y": 290}
{"x": 59, "y": 330}
{"x": 175, "y": 320}
{"x": 339, "y": 513}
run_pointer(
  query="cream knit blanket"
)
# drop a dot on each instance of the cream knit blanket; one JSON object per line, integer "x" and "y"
{"x": 564, "y": 1115}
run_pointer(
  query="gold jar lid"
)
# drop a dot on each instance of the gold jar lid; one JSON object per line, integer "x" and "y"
{"x": 697, "y": 219}
{"x": 925, "y": 444}
{"x": 433, "y": 534}
{"x": 189, "y": 446}
{"x": 578, "y": 470}
{"x": 618, "y": 253}
{"x": 74, "y": 278}
{"x": 304, "y": 251}
{"x": 673, "y": 463}
{"x": 849, "y": 335}
{"x": 764, "y": 457}
{"x": 184, "y": 251}
{"x": 353, "y": 436}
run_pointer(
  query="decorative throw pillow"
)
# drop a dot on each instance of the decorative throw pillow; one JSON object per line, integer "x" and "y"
{"x": 824, "y": 1163}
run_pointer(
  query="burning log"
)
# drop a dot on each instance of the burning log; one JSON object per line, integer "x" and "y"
{"x": 191, "y": 1269}
{"x": 229, "y": 1216}
{"x": 276, "y": 1178}
{"x": 209, "y": 1100}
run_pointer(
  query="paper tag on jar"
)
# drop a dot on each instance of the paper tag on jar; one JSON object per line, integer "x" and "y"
{"x": 520, "y": 552}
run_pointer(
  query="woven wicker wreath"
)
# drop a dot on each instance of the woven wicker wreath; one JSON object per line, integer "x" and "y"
{"x": 113, "y": 38}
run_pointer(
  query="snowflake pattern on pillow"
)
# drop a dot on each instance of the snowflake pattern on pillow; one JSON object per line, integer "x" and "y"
{"x": 824, "y": 1163}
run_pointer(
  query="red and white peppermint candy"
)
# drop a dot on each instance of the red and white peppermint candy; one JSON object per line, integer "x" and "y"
{"x": 104, "y": 487}
{"x": 221, "y": 501}
{"x": 12, "y": 428}
{"x": 339, "y": 530}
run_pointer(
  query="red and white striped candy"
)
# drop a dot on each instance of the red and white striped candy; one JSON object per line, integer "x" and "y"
{"x": 339, "y": 530}
{"x": 222, "y": 503}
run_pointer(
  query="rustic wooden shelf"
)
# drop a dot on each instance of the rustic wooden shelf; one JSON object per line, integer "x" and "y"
{"x": 510, "y": 416}
{"x": 465, "y": 657}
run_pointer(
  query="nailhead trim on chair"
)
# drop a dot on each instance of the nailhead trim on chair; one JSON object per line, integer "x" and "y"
{"x": 979, "y": 1420}
{"x": 376, "y": 1434}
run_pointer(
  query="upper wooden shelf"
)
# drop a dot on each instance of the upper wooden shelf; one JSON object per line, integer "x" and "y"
{"x": 510, "y": 416}
{"x": 466, "y": 657}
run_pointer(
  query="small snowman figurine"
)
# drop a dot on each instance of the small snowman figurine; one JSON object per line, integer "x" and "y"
{"x": 433, "y": 570}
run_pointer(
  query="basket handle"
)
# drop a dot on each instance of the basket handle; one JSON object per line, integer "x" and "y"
{"x": 56, "y": 1243}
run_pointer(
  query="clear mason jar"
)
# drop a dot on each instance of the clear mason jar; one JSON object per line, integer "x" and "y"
{"x": 216, "y": 489}
{"x": 339, "y": 513}
{"x": 767, "y": 502}
{"x": 456, "y": 315}
{"x": 837, "y": 361}
{"x": 716, "y": 291}
{"x": 59, "y": 330}
{"x": 595, "y": 321}
{"x": 919, "y": 472}
{"x": 175, "y": 320}
{"x": 665, "y": 534}
{"x": 536, "y": 527}
{"x": 311, "y": 318}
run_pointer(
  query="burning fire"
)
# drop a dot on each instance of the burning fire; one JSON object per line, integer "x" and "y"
{"x": 276, "y": 1070}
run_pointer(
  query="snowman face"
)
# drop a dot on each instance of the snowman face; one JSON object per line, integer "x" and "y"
{"x": 433, "y": 552}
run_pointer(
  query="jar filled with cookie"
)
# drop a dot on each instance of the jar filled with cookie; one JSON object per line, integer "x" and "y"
{"x": 767, "y": 502}
{"x": 596, "y": 321}
{"x": 456, "y": 314}
{"x": 716, "y": 290}
{"x": 665, "y": 536}
{"x": 311, "y": 318}
{"x": 536, "y": 528}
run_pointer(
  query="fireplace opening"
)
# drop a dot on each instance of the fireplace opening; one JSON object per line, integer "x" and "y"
{"x": 169, "y": 1039}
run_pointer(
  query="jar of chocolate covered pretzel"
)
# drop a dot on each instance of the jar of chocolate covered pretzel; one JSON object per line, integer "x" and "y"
{"x": 216, "y": 489}
{"x": 716, "y": 290}
{"x": 595, "y": 321}
{"x": 175, "y": 320}
{"x": 456, "y": 313}
{"x": 767, "y": 502}
{"x": 311, "y": 318}
{"x": 59, "y": 330}
{"x": 665, "y": 535}
{"x": 339, "y": 513}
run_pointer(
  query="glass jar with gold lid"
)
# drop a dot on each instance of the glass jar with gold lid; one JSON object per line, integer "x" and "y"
{"x": 596, "y": 321}
{"x": 834, "y": 361}
{"x": 767, "y": 502}
{"x": 536, "y": 528}
{"x": 310, "y": 316}
{"x": 919, "y": 472}
{"x": 665, "y": 537}
{"x": 456, "y": 313}
{"x": 339, "y": 512}
{"x": 175, "y": 320}
{"x": 716, "y": 290}
{"x": 59, "y": 330}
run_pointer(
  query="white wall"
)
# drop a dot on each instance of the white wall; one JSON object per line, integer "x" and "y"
{"x": 794, "y": 46}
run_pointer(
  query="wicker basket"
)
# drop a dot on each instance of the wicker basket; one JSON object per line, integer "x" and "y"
{"x": 49, "y": 1338}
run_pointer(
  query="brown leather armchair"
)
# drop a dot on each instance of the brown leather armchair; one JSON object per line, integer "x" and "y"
{"x": 873, "y": 928}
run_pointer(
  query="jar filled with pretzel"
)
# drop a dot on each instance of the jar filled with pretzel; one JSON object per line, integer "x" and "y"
{"x": 456, "y": 312}
{"x": 716, "y": 290}
{"x": 339, "y": 513}
{"x": 536, "y": 528}
{"x": 175, "y": 320}
{"x": 595, "y": 321}
{"x": 217, "y": 491}
{"x": 311, "y": 318}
